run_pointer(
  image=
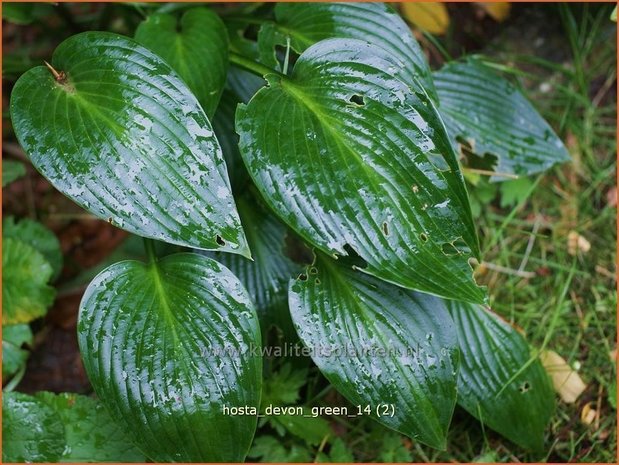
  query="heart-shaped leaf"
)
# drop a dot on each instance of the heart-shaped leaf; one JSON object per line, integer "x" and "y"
{"x": 197, "y": 49}
{"x": 499, "y": 382}
{"x": 304, "y": 24}
{"x": 350, "y": 157}
{"x": 90, "y": 433}
{"x": 31, "y": 430}
{"x": 491, "y": 116}
{"x": 379, "y": 345}
{"x": 25, "y": 292}
{"x": 266, "y": 277}
{"x": 119, "y": 132}
{"x": 167, "y": 346}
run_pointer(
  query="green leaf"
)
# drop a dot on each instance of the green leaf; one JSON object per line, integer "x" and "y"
{"x": 380, "y": 344}
{"x": 266, "y": 277}
{"x": 351, "y": 158}
{"x": 312, "y": 430}
{"x": 305, "y": 24}
{"x": 37, "y": 236}
{"x": 25, "y": 13}
{"x": 121, "y": 134}
{"x": 499, "y": 384}
{"x": 493, "y": 117}
{"x": 166, "y": 346}
{"x": 339, "y": 453}
{"x": 197, "y": 49}
{"x": 91, "y": 434}
{"x": 223, "y": 125}
{"x": 514, "y": 191}
{"x": 31, "y": 430}
{"x": 271, "y": 450}
{"x": 25, "y": 293}
{"x": 282, "y": 386}
{"x": 393, "y": 451}
{"x": 13, "y": 356}
{"x": 12, "y": 171}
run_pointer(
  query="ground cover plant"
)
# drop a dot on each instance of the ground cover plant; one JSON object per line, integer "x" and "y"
{"x": 296, "y": 176}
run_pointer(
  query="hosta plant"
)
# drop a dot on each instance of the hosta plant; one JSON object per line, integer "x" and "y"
{"x": 324, "y": 129}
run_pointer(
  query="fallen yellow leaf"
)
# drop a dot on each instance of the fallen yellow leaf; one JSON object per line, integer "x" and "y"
{"x": 588, "y": 414}
{"x": 430, "y": 17}
{"x": 577, "y": 243}
{"x": 567, "y": 383}
{"x": 499, "y": 11}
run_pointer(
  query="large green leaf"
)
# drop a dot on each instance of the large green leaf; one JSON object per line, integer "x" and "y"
{"x": 197, "y": 49}
{"x": 497, "y": 384}
{"x": 25, "y": 292}
{"x": 304, "y": 24}
{"x": 166, "y": 346}
{"x": 31, "y": 430}
{"x": 90, "y": 433}
{"x": 491, "y": 116}
{"x": 13, "y": 356}
{"x": 123, "y": 136}
{"x": 37, "y": 236}
{"x": 11, "y": 171}
{"x": 380, "y": 344}
{"x": 266, "y": 277}
{"x": 350, "y": 157}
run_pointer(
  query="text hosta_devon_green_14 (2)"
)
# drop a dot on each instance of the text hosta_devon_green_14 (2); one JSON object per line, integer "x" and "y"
{"x": 166, "y": 345}
{"x": 122, "y": 135}
{"x": 350, "y": 157}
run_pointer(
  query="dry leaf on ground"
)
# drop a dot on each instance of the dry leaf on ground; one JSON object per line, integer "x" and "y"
{"x": 567, "y": 383}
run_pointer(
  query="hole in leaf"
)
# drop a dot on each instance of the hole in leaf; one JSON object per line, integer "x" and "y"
{"x": 353, "y": 258}
{"x": 357, "y": 100}
{"x": 302, "y": 277}
{"x": 219, "y": 240}
{"x": 250, "y": 32}
{"x": 317, "y": 281}
{"x": 386, "y": 229}
{"x": 524, "y": 387}
{"x": 313, "y": 270}
{"x": 423, "y": 237}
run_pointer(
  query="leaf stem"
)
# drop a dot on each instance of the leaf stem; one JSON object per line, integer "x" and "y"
{"x": 149, "y": 246}
{"x": 252, "y": 66}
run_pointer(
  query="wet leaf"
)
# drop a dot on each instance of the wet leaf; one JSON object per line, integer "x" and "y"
{"x": 492, "y": 116}
{"x": 14, "y": 356}
{"x": 91, "y": 434}
{"x": 166, "y": 347}
{"x": 31, "y": 430}
{"x": 121, "y": 135}
{"x": 12, "y": 171}
{"x": 497, "y": 385}
{"x": 197, "y": 49}
{"x": 429, "y": 17}
{"x": 266, "y": 277}
{"x": 305, "y": 24}
{"x": 25, "y": 292}
{"x": 223, "y": 125}
{"x": 378, "y": 343}
{"x": 565, "y": 380}
{"x": 37, "y": 236}
{"x": 351, "y": 158}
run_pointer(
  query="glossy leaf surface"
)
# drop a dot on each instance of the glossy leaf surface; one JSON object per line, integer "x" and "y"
{"x": 378, "y": 343}
{"x": 123, "y": 136}
{"x": 25, "y": 274}
{"x": 13, "y": 355}
{"x": 165, "y": 347}
{"x": 38, "y": 237}
{"x": 497, "y": 385}
{"x": 31, "y": 430}
{"x": 197, "y": 49}
{"x": 266, "y": 277}
{"x": 305, "y": 24}
{"x": 90, "y": 433}
{"x": 349, "y": 156}
{"x": 493, "y": 117}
